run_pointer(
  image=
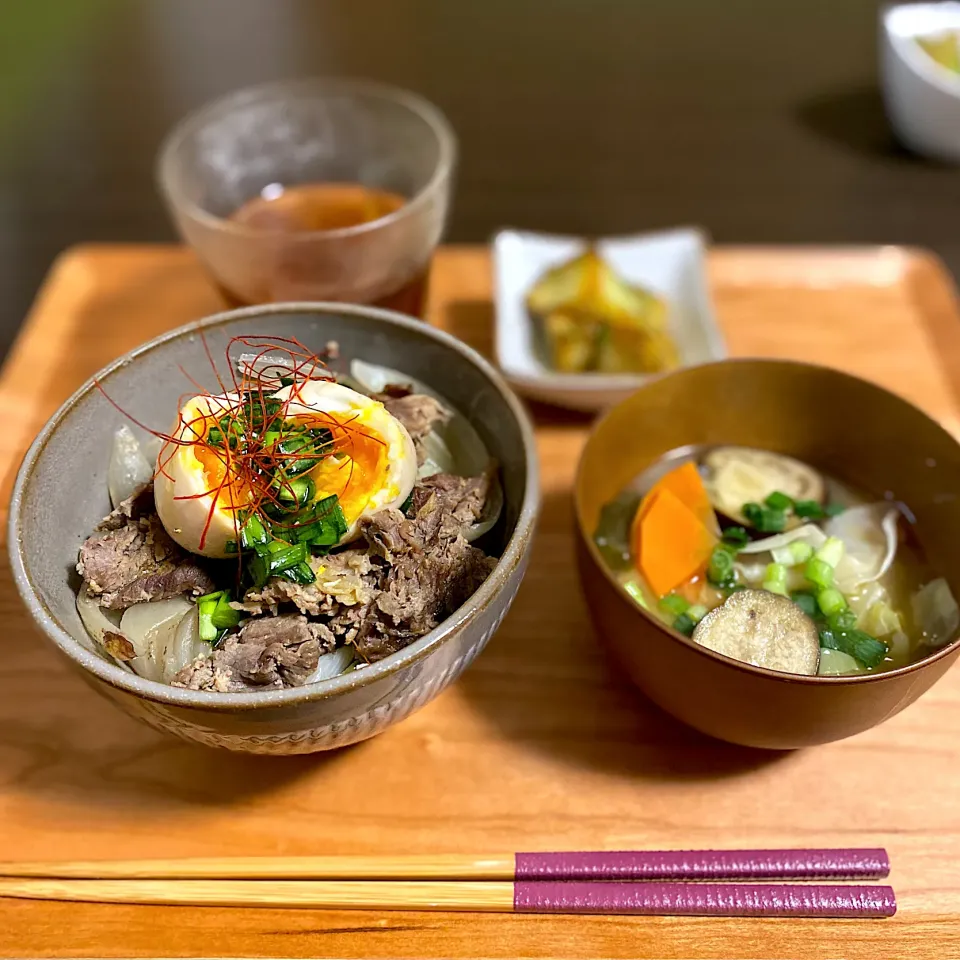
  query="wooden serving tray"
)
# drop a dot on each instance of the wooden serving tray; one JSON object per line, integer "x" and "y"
{"x": 540, "y": 745}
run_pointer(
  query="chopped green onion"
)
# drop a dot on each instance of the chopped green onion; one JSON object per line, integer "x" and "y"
{"x": 833, "y": 509}
{"x": 831, "y": 552}
{"x": 736, "y": 537}
{"x": 636, "y": 592}
{"x": 300, "y": 573}
{"x": 283, "y": 555}
{"x": 765, "y": 519}
{"x": 303, "y": 451}
{"x": 215, "y": 437}
{"x": 407, "y": 504}
{"x": 231, "y": 547}
{"x": 807, "y": 602}
{"x": 844, "y": 619}
{"x": 775, "y": 579}
{"x": 216, "y": 595}
{"x": 253, "y": 532}
{"x": 800, "y": 551}
{"x": 697, "y": 612}
{"x": 831, "y": 601}
{"x": 779, "y": 501}
{"x": 855, "y": 643}
{"x": 205, "y": 609}
{"x": 322, "y": 524}
{"x": 674, "y": 603}
{"x": 684, "y": 624}
{"x": 819, "y": 572}
{"x": 224, "y": 617}
{"x": 720, "y": 570}
{"x": 299, "y": 491}
{"x": 258, "y": 567}
{"x": 808, "y": 510}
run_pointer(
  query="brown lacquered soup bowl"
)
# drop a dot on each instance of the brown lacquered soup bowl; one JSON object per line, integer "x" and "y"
{"x": 61, "y": 493}
{"x": 857, "y": 432}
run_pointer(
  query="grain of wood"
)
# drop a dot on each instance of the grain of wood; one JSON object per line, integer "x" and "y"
{"x": 540, "y": 745}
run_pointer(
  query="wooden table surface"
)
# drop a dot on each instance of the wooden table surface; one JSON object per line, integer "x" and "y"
{"x": 539, "y": 746}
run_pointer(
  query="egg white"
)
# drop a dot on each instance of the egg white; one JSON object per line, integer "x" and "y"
{"x": 180, "y": 474}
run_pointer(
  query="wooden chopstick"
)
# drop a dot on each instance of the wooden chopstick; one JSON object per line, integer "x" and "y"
{"x": 738, "y": 865}
{"x": 650, "y": 898}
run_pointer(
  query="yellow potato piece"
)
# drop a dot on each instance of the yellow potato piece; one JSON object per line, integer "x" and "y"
{"x": 593, "y": 320}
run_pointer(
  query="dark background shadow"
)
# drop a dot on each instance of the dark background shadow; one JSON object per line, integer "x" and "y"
{"x": 586, "y": 118}
{"x": 854, "y": 120}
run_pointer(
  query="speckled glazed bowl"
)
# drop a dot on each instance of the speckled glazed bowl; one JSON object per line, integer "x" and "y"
{"x": 61, "y": 493}
{"x": 850, "y": 429}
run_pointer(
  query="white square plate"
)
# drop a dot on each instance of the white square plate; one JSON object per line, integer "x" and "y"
{"x": 672, "y": 264}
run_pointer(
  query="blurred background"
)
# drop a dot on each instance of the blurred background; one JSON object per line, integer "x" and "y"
{"x": 760, "y": 121}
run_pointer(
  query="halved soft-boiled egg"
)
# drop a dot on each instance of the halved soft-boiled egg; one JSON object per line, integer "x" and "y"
{"x": 372, "y": 466}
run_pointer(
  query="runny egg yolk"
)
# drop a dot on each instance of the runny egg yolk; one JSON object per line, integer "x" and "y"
{"x": 356, "y": 471}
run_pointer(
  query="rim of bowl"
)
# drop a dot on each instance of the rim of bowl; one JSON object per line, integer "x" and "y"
{"x": 921, "y": 63}
{"x": 302, "y": 89}
{"x": 783, "y": 677}
{"x": 116, "y": 676}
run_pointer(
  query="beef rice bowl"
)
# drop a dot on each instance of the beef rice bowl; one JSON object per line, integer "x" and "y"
{"x": 312, "y": 516}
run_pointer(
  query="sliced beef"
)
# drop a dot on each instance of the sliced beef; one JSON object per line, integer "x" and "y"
{"x": 131, "y": 558}
{"x": 417, "y": 412}
{"x": 272, "y": 652}
{"x": 430, "y": 570}
{"x": 459, "y": 500}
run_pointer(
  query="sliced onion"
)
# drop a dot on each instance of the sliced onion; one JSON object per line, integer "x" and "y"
{"x": 936, "y": 613}
{"x": 151, "y": 627}
{"x": 97, "y": 621}
{"x": 869, "y": 535}
{"x": 491, "y": 512}
{"x": 374, "y": 378}
{"x": 438, "y": 458}
{"x": 129, "y": 468}
{"x": 186, "y": 645}
{"x": 332, "y": 664}
{"x": 836, "y": 663}
{"x": 808, "y": 533}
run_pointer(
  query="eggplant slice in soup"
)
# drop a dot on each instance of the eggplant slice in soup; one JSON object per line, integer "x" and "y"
{"x": 739, "y": 475}
{"x": 763, "y": 629}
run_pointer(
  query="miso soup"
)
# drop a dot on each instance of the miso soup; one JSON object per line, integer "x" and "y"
{"x": 761, "y": 558}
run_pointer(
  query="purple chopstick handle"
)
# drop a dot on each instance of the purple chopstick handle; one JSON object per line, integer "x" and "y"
{"x": 853, "y": 864}
{"x": 706, "y": 899}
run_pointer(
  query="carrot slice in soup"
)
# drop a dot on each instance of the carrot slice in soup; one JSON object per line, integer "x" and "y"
{"x": 685, "y": 484}
{"x": 671, "y": 542}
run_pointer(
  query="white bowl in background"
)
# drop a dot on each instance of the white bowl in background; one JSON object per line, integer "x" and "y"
{"x": 922, "y": 97}
{"x": 672, "y": 264}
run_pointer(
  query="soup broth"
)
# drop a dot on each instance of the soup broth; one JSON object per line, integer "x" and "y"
{"x": 705, "y": 524}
